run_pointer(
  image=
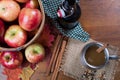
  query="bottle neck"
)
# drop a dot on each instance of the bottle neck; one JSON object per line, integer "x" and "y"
{"x": 71, "y": 2}
{"x": 67, "y": 8}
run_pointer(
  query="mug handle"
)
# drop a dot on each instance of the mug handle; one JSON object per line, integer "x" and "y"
{"x": 114, "y": 57}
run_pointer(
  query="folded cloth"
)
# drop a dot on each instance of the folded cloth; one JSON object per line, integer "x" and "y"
{"x": 50, "y": 8}
{"x": 72, "y": 66}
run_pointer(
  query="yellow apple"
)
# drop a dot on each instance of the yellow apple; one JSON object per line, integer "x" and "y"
{"x": 9, "y": 10}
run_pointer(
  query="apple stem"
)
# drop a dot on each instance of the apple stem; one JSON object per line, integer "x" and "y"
{"x": 7, "y": 58}
{"x": 13, "y": 34}
{"x": 3, "y": 8}
{"x": 35, "y": 52}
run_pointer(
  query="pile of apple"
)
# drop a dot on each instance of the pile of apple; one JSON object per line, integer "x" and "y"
{"x": 18, "y": 19}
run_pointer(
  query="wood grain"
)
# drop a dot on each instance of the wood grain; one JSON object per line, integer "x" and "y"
{"x": 101, "y": 19}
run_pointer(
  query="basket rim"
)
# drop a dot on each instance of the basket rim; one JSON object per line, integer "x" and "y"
{"x": 35, "y": 36}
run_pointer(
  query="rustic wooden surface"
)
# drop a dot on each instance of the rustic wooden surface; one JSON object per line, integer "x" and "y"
{"x": 101, "y": 19}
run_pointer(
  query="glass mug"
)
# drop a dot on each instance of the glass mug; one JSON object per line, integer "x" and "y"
{"x": 93, "y": 60}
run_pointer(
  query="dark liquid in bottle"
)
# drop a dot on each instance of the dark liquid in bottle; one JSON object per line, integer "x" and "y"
{"x": 73, "y": 12}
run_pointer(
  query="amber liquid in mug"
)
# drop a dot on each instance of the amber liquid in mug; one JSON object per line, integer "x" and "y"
{"x": 94, "y": 58}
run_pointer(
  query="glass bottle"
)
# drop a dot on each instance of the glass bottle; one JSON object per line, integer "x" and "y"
{"x": 68, "y": 14}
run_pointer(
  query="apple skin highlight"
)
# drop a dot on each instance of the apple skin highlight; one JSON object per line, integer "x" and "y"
{"x": 11, "y": 59}
{"x": 29, "y": 19}
{"x": 35, "y": 53}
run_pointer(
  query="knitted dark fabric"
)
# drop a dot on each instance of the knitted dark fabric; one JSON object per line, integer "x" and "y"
{"x": 50, "y": 8}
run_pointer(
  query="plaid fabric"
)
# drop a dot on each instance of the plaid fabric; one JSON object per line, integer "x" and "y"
{"x": 50, "y": 7}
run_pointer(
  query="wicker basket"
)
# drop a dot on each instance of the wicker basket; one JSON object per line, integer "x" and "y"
{"x": 34, "y": 37}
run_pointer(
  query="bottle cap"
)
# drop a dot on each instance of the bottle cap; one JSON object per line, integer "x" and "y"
{"x": 61, "y": 13}
{"x": 71, "y": 2}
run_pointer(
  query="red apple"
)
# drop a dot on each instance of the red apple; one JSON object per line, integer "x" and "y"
{"x": 35, "y": 53}
{"x": 29, "y": 19}
{"x": 9, "y": 10}
{"x": 32, "y": 4}
{"x": 22, "y": 1}
{"x": 15, "y": 36}
{"x": 2, "y": 31}
{"x": 0, "y": 57}
{"x": 11, "y": 59}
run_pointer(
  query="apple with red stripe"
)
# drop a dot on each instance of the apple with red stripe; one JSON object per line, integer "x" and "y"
{"x": 15, "y": 36}
{"x": 32, "y": 4}
{"x": 30, "y": 19}
{"x": 22, "y": 1}
{"x": 11, "y": 59}
{"x": 9, "y": 10}
{"x": 35, "y": 53}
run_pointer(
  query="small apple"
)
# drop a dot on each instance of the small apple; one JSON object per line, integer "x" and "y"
{"x": 35, "y": 53}
{"x": 30, "y": 19}
{"x": 11, "y": 59}
{"x": 15, "y": 36}
{"x": 2, "y": 31}
{"x": 9, "y": 10}
{"x": 32, "y": 4}
{"x": 22, "y": 1}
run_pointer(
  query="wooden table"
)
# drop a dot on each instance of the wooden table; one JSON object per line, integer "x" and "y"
{"x": 101, "y": 19}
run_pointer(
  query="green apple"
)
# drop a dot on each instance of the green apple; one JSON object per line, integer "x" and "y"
{"x": 15, "y": 36}
{"x": 35, "y": 53}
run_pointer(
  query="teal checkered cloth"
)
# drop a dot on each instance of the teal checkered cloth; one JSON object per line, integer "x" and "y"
{"x": 50, "y": 8}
